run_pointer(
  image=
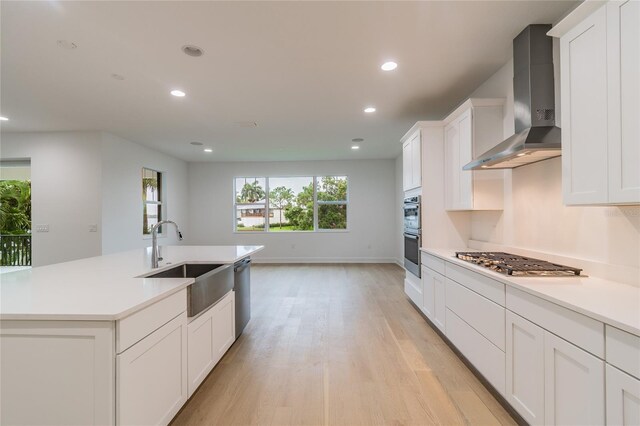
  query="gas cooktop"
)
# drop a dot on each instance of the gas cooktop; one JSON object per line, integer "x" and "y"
{"x": 513, "y": 264}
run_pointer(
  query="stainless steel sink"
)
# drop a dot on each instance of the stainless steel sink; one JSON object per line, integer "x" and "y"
{"x": 213, "y": 281}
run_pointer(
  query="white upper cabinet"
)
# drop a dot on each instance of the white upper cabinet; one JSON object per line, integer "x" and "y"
{"x": 411, "y": 161}
{"x": 623, "y": 70}
{"x": 471, "y": 130}
{"x": 600, "y": 99}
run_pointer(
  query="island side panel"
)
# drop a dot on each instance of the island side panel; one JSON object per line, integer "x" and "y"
{"x": 57, "y": 372}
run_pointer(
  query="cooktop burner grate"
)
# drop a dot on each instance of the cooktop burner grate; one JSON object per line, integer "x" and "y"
{"x": 512, "y": 264}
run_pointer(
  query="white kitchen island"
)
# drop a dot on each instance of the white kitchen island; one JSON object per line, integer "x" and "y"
{"x": 90, "y": 342}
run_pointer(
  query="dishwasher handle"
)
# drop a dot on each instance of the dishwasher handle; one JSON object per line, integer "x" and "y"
{"x": 241, "y": 265}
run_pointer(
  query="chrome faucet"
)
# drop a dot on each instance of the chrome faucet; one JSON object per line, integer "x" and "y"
{"x": 155, "y": 252}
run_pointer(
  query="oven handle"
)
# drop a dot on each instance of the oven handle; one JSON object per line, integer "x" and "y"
{"x": 413, "y": 237}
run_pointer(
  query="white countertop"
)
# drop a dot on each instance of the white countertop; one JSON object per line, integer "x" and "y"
{"x": 612, "y": 303}
{"x": 103, "y": 287}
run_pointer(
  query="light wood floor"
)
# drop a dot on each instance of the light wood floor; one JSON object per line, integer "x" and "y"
{"x": 338, "y": 345}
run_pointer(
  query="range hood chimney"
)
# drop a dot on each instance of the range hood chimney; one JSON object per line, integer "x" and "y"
{"x": 536, "y": 138}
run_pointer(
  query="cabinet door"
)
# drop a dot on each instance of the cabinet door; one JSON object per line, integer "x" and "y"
{"x": 416, "y": 161}
{"x": 451, "y": 166}
{"x": 525, "y": 368}
{"x": 224, "y": 325}
{"x": 428, "y": 292}
{"x": 201, "y": 353}
{"x": 465, "y": 152}
{"x": 623, "y": 398}
{"x": 57, "y": 373}
{"x": 440, "y": 307}
{"x": 573, "y": 384}
{"x": 407, "y": 173}
{"x": 151, "y": 376}
{"x": 623, "y": 62}
{"x": 583, "y": 53}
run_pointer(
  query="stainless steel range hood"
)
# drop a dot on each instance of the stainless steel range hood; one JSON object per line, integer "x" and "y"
{"x": 537, "y": 138}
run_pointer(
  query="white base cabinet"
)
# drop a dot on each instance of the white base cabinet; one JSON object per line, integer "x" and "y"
{"x": 525, "y": 368}
{"x": 57, "y": 373}
{"x": 209, "y": 336}
{"x": 151, "y": 376}
{"x": 623, "y": 398}
{"x": 433, "y": 297}
{"x": 573, "y": 384}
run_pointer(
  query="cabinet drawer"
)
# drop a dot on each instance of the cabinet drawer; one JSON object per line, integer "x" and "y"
{"x": 433, "y": 262}
{"x": 623, "y": 350}
{"x": 487, "y": 287}
{"x": 576, "y": 328}
{"x": 484, "y": 355}
{"x": 413, "y": 289}
{"x": 135, "y": 327}
{"x": 485, "y": 316}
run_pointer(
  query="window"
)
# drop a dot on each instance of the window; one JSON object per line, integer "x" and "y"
{"x": 290, "y": 204}
{"x": 251, "y": 203}
{"x": 332, "y": 202}
{"x": 152, "y": 198}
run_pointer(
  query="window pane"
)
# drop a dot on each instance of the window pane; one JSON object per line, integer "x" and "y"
{"x": 152, "y": 214}
{"x": 332, "y": 216}
{"x": 291, "y": 204}
{"x": 332, "y": 188}
{"x": 250, "y": 217}
{"x": 151, "y": 189}
{"x": 250, "y": 190}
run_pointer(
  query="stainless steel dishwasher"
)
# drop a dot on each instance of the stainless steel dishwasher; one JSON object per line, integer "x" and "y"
{"x": 242, "y": 288}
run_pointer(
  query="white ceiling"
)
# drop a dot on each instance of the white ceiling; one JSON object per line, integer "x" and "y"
{"x": 304, "y": 71}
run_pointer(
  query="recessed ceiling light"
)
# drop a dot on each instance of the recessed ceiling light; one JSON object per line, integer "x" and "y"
{"x": 208, "y": 150}
{"x": 484, "y": 167}
{"x": 357, "y": 140}
{"x": 369, "y": 109}
{"x": 389, "y": 66}
{"x": 196, "y": 143}
{"x": 522, "y": 154}
{"x": 178, "y": 93}
{"x": 192, "y": 50}
{"x": 65, "y": 44}
{"x": 355, "y": 147}
{"x": 4, "y": 119}
{"x": 117, "y": 76}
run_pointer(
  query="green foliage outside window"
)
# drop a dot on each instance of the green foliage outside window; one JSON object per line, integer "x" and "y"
{"x": 15, "y": 207}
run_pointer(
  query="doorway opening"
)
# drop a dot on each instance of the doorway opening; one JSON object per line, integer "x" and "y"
{"x": 15, "y": 215}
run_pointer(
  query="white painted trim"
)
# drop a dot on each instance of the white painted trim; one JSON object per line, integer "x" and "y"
{"x": 326, "y": 260}
{"x": 576, "y": 16}
{"x": 472, "y": 102}
{"x": 420, "y": 125}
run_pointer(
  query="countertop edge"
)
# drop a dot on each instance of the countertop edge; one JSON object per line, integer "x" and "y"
{"x": 104, "y": 317}
{"x": 573, "y": 307}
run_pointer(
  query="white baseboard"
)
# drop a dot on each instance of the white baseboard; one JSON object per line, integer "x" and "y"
{"x": 326, "y": 260}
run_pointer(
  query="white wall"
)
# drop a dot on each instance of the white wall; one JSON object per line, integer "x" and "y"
{"x": 80, "y": 179}
{"x": 534, "y": 216}
{"x": 65, "y": 191}
{"x": 372, "y": 215}
{"x": 122, "y": 163}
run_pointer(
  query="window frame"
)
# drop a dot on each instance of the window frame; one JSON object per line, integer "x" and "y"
{"x": 266, "y": 205}
{"x": 161, "y": 201}
{"x": 267, "y": 225}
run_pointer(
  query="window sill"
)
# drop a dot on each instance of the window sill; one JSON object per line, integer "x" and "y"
{"x": 324, "y": 231}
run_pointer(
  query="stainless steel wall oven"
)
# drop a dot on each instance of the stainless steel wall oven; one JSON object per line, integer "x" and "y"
{"x": 412, "y": 234}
